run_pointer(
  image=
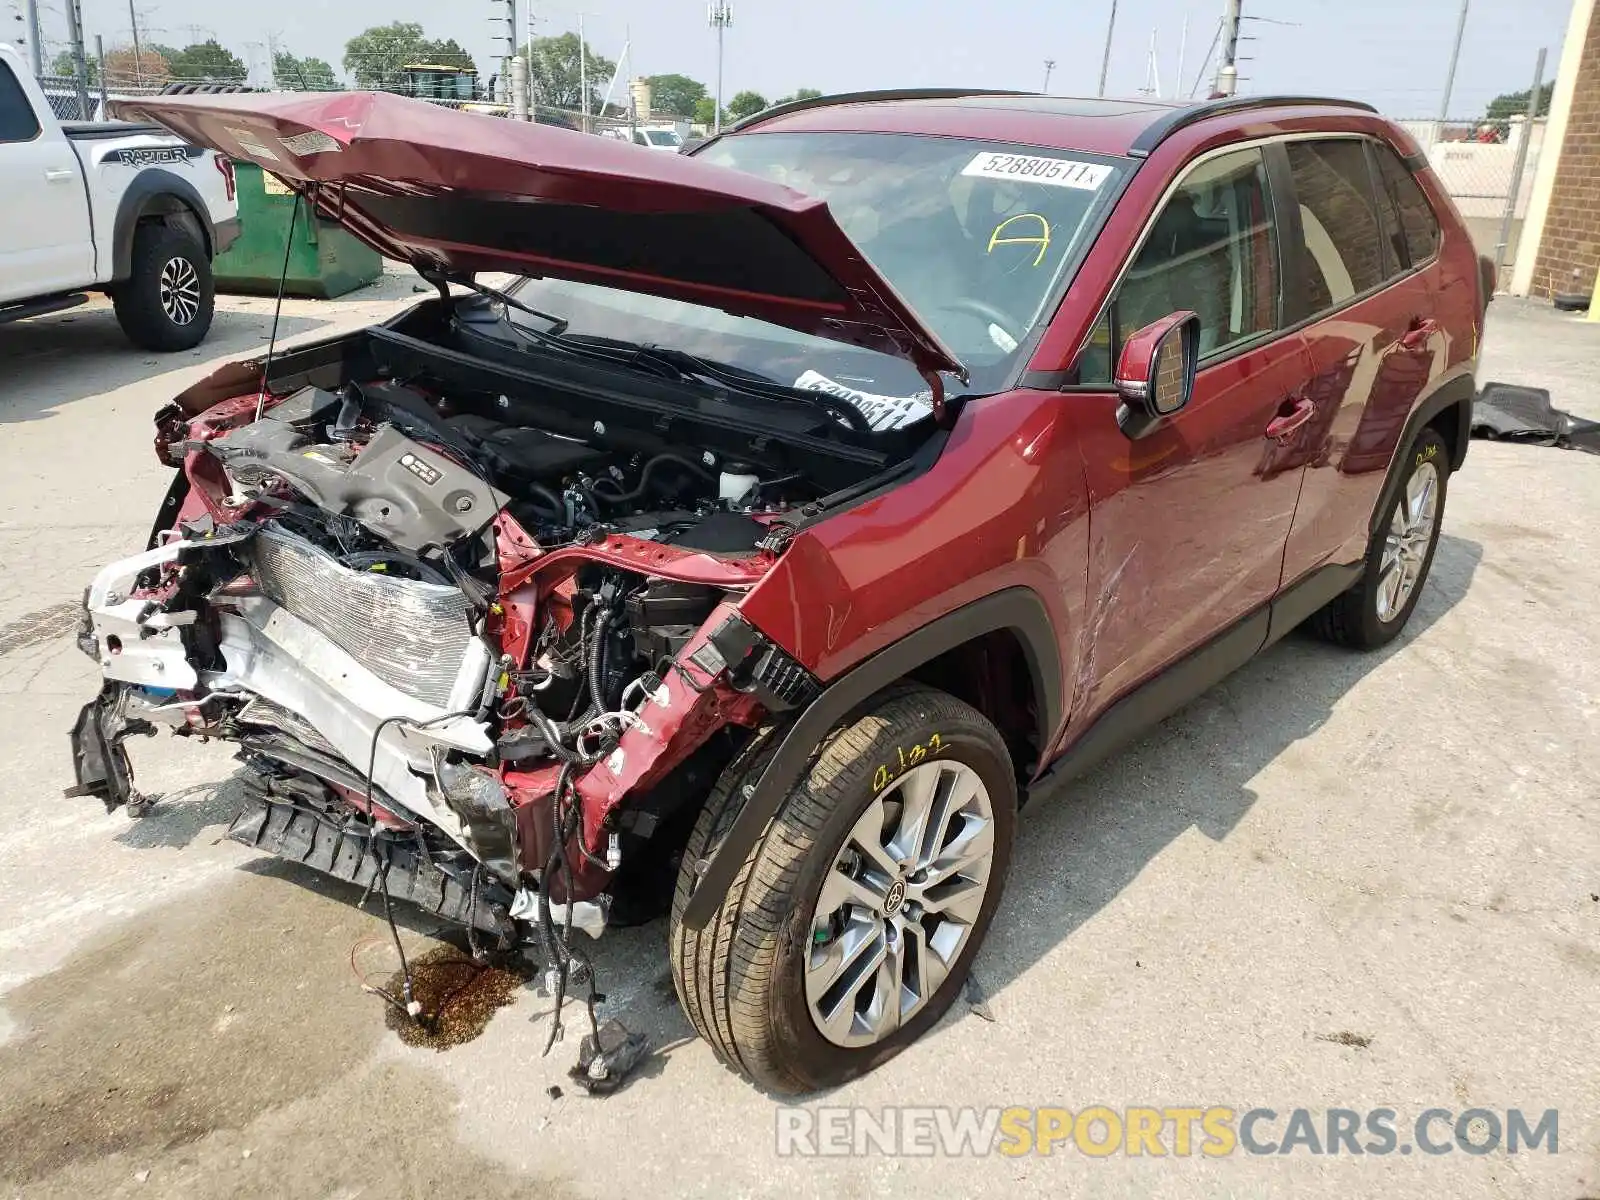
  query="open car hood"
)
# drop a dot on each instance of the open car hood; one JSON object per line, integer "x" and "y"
{"x": 467, "y": 192}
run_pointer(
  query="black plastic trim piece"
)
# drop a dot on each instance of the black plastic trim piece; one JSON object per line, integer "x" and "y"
{"x": 1192, "y": 675}
{"x": 1162, "y": 695}
{"x": 1299, "y": 600}
{"x": 1168, "y": 124}
{"x": 1460, "y": 390}
{"x": 1018, "y": 609}
{"x": 868, "y": 97}
{"x": 24, "y": 309}
{"x": 152, "y": 184}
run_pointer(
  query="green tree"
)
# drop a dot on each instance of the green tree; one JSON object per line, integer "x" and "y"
{"x": 1514, "y": 104}
{"x": 799, "y": 94}
{"x": 208, "y": 60}
{"x": 303, "y": 74}
{"x": 675, "y": 94}
{"x": 63, "y": 65}
{"x": 447, "y": 52}
{"x": 554, "y": 66}
{"x": 705, "y": 111}
{"x": 746, "y": 104}
{"x": 374, "y": 56}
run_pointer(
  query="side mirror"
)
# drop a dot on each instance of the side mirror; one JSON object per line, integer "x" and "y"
{"x": 1155, "y": 372}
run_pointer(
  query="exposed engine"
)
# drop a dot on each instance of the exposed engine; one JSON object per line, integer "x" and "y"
{"x": 474, "y": 664}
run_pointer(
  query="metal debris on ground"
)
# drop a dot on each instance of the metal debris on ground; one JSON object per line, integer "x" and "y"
{"x": 603, "y": 1066}
{"x": 1510, "y": 413}
{"x": 458, "y": 996}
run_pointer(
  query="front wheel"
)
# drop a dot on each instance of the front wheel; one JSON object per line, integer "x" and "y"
{"x": 167, "y": 301}
{"x": 1399, "y": 556}
{"x": 854, "y": 921}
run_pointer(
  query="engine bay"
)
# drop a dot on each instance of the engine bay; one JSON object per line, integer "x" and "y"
{"x": 471, "y": 657}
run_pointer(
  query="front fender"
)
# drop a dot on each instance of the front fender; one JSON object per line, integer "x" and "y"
{"x": 1017, "y": 609}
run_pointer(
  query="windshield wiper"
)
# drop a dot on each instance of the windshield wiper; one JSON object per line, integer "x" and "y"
{"x": 558, "y": 325}
{"x": 733, "y": 379}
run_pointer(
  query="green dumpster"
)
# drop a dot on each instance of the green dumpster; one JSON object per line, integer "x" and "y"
{"x": 325, "y": 261}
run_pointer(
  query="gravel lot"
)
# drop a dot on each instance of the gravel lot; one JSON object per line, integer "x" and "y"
{"x": 1335, "y": 881}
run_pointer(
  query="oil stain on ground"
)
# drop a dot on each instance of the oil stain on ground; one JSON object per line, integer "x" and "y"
{"x": 458, "y": 996}
{"x": 201, "y": 1024}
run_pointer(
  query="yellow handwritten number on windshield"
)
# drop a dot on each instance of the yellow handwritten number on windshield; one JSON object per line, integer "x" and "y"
{"x": 1041, "y": 239}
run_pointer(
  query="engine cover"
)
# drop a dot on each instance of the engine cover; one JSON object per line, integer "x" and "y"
{"x": 402, "y": 491}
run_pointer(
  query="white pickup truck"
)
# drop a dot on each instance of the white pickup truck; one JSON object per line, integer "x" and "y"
{"x": 128, "y": 210}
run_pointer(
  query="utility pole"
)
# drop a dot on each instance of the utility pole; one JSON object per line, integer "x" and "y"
{"x": 1183, "y": 48}
{"x": 719, "y": 14}
{"x": 1227, "y": 68}
{"x": 79, "y": 67}
{"x": 1105, "y": 59}
{"x": 504, "y": 24}
{"x": 1049, "y": 65}
{"x": 533, "y": 90}
{"x": 1455, "y": 56}
{"x": 100, "y": 58}
{"x": 138, "y": 62}
{"x": 35, "y": 41}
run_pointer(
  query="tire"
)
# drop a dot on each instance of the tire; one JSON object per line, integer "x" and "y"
{"x": 743, "y": 980}
{"x": 168, "y": 299}
{"x": 1366, "y": 616}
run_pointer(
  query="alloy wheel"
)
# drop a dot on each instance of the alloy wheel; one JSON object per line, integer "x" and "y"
{"x": 180, "y": 291}
{"x": 1405, "y": 546}
{"x": 899, "y": 903}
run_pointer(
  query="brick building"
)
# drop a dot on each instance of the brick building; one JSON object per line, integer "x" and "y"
{"x": 1560, "y": 247}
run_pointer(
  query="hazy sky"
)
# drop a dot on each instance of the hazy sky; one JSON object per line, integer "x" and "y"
{"x": 1391, "y": 52}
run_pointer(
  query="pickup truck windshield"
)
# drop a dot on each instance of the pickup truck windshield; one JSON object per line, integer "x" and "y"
{"x": 978, "y": 237}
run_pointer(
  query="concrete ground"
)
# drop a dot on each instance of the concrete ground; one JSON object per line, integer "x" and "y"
{"x": 1335, "y": 881}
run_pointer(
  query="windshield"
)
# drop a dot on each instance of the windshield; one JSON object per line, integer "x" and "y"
{"x": 977, "y": 237}
{"x": 663, "y": 137}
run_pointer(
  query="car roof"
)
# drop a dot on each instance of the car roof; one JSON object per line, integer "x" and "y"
{"x": 1095, "y": 125}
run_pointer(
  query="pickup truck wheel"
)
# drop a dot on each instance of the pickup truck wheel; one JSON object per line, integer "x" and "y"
{"x": 1376, "y": 609}
{"x": 852, "y": 924}
{"x": 166, "y": 303}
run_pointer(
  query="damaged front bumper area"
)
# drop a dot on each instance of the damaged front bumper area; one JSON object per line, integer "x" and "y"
{"x": 378, "y": 724}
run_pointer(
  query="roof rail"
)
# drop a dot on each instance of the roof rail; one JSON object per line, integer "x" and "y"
{"x": 1168, "y": 124}
{"x": 780, "y": 110}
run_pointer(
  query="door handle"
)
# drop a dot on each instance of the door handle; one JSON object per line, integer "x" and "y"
{"x": 1282, "y": 426}
{"x": 1417, "y": 336}
{"x": 57, "y": 174}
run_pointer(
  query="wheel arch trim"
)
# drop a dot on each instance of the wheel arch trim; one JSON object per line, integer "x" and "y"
{"x": 1457, "y": 391}
{"x": 1018, "y": 609}
{"x": 154, "y": 192}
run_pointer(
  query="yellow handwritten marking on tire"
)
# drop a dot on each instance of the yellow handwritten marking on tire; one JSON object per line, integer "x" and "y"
{"x": 905, "y": 759}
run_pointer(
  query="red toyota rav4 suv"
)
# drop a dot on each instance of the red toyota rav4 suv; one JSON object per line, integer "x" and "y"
{"x": 808, "y": 502}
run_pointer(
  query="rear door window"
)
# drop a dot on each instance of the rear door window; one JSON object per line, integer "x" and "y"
{"x": 1419, "y": 227}
{"x": 1342, "y": 253}
{"x": 17, "y": 120}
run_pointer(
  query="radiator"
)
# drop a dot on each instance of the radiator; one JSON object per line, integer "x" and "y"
{"x": 414, "y": 636}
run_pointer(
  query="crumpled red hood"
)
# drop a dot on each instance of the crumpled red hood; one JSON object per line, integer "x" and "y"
{"x": 468, "y": 192}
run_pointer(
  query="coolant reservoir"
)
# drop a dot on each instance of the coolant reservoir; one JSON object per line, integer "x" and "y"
{"x": 735, "y": 482}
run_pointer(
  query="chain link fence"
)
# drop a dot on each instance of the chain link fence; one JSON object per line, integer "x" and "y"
{"x": 1475, "y": 160}
{"x": 69, "y": 104}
